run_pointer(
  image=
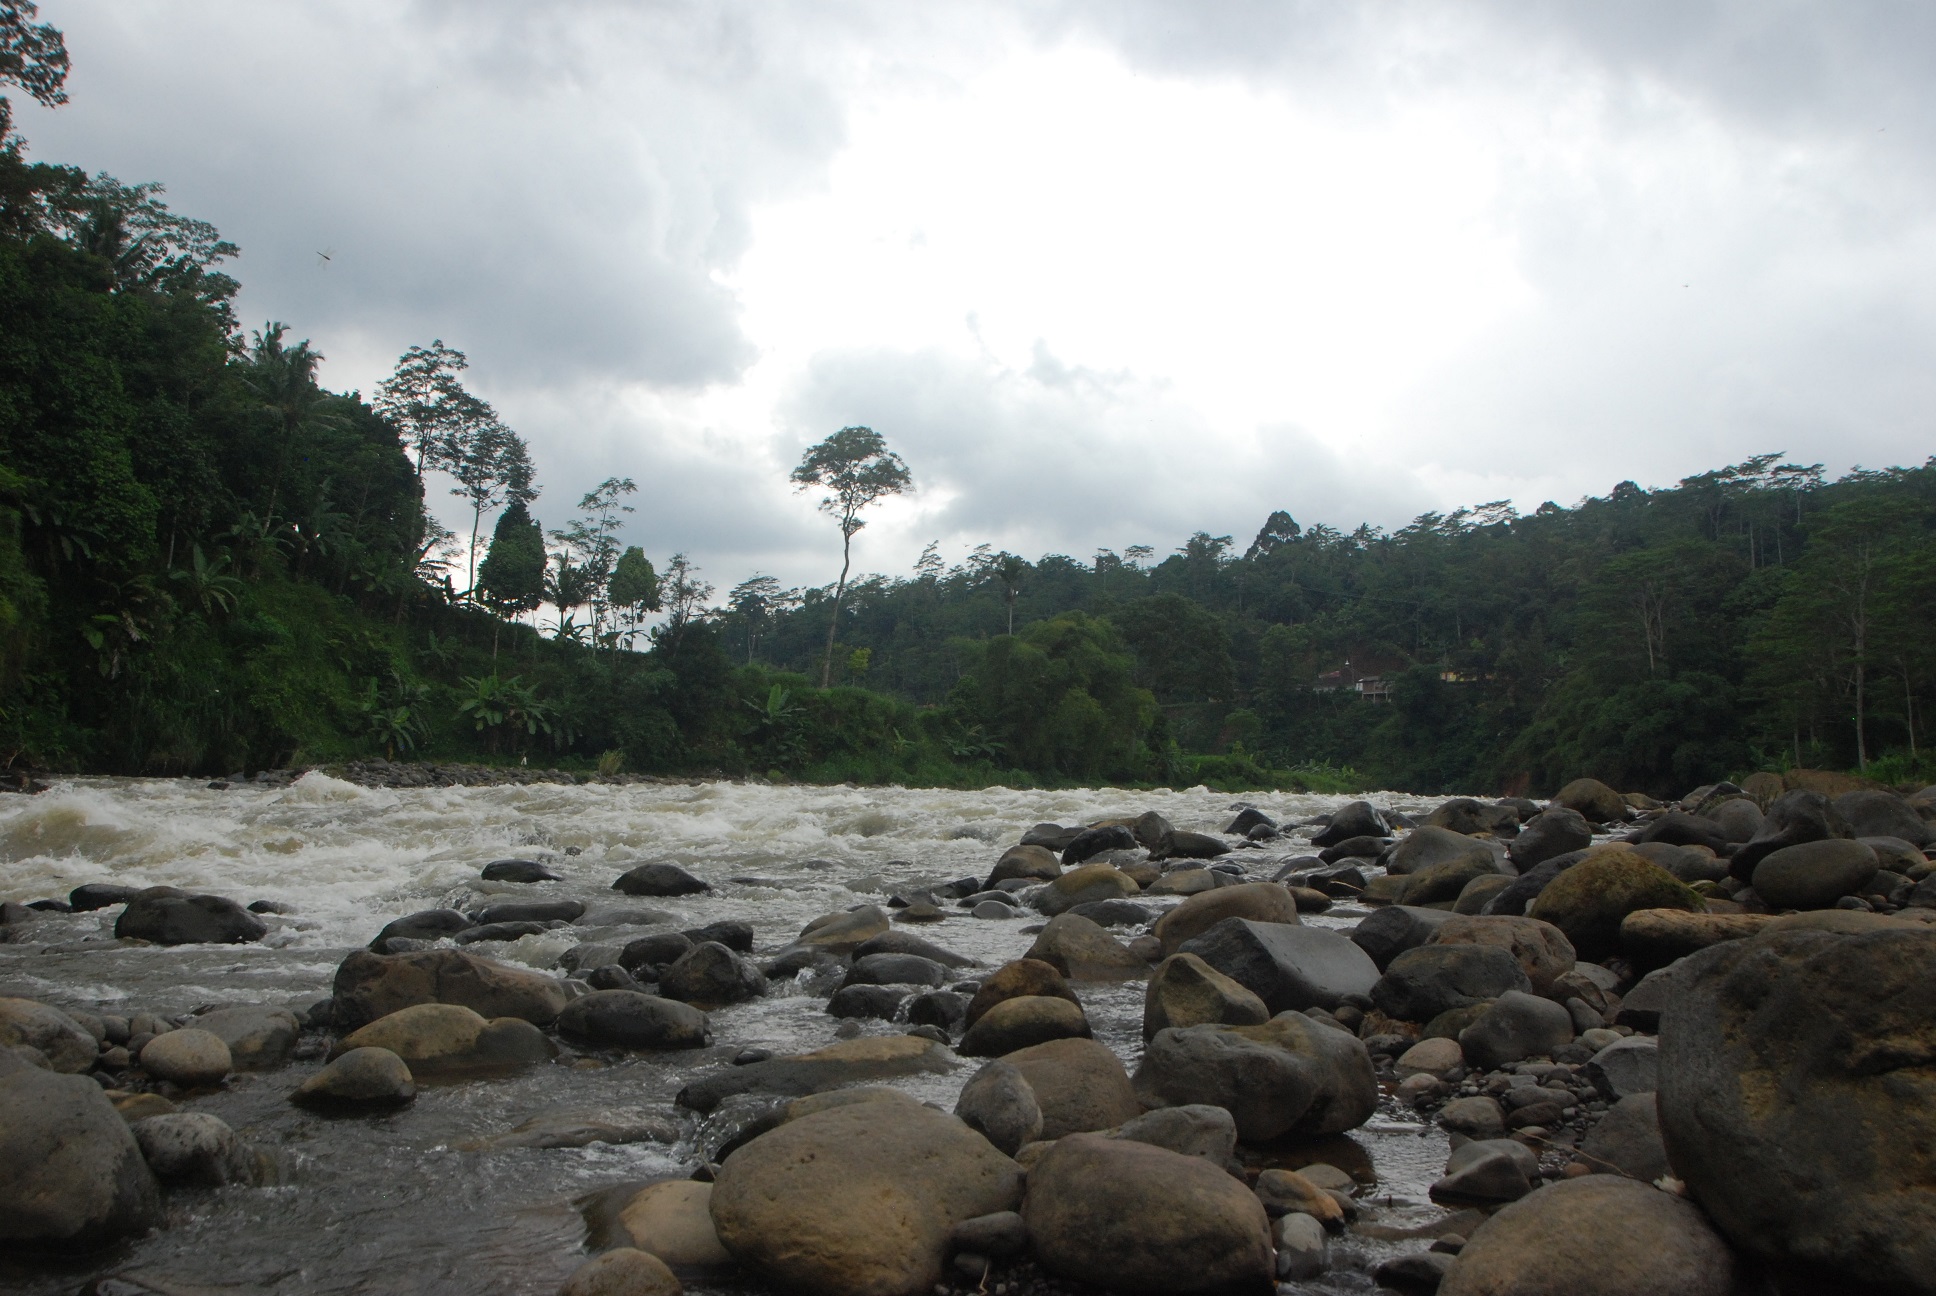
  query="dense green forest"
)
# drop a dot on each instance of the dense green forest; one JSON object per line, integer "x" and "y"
{"x": 208, "y": 563}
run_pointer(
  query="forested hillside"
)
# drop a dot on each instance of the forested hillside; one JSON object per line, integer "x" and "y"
{"x": 208, "y": 562}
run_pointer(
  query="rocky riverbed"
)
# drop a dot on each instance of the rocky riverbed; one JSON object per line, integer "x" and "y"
{"x": 309, "y": 1034}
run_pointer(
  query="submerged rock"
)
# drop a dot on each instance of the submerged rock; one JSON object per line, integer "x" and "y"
{"x": 848, "y": 1062}
{"x": 167, "y": 916}
{"x": 362, "y": 1077}
{"x": 447, "y": 1038}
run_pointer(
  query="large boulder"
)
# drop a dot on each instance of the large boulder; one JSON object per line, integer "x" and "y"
{"x": 1814, "y": 875}
{"x": 843, "y": 933}
{"x": 1289, "y": 967}
{"x": 424, "y": 925}
{"x": 659, "y": 880}
{"x": 1602, "y": 1235}
{"x": 1592, "y": 800}
{"x": 630, "y": 1019}
{"x": 896, "y": 969}
{"x": 1424, "y": 982}
{"x": 673, "y": 1220}
{"x": 1444, "y": 882}
{"x": 1466, "y": 815}
{"x": 1653, "y": 938}
{"x": 75, "y": 1177}
{"x": 1352, "y": 819}
{"x": 1079, "y": 1085}
{"x": 194, "y": 1148}
{"x": 1739, "y": 818}
{"x": 1290, "y": 1077}
{"x": 188, "y": 1057}
{"x": 1016, "y": 1024}
{"x": 1541, "y": 949}
{"x": 258, "y": 1036}
{"x": 369, "y": 986}
{"x": 1432, "y": 846}
{"x": 435, "y": 1039}
{"x": 1798, "y": 1102}
{"x": 1552, "y": 832}
{"x": 29, "y": 1023}
{"x": 1794, "y": 817}
{"x": 1517, "y": 896}
{"x": 852, "y": 1202}
{"x": 1000, "y": 1104}
{"x": 903, "y": 942}
{"x": 1091, "y": 842}
{"x": 1266, "y": 902}
{"x": 166, "y": 916}
{"x": 1083, "y": 885}
{"x": 1588, "y": 901}
{"x": 1883, "y": 814}
{"x": 1388, "y": 932}
{"x": 1627, "y": 1141}
{"x": 1516, "y": 1027}
{"x": 622, "y": 1271}
{"x": 710, "y": 976}
{"x": 1132, "y": 1217}
{"x": 1186, "y": 991}
{"x": 360, "y": 1078}
{"x": 1083, "y": 951}
{"x": 854, "y": 1061}
{"x": 1034, "y": 862}
{"x": 1018, "y": 979}
{"x": 1678, "y": 828}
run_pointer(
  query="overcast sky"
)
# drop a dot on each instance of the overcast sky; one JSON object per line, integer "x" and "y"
{"x": 1104, "y": 273}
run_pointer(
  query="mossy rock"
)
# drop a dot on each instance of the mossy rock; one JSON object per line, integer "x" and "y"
{"x": 1589, "y": 900}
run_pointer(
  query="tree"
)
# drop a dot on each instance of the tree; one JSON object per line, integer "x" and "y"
{"x": 634, "y": 589}
{"x": 684, "y": 595}
{"x": 1010, "y": 569}
{"x": 591, "y": 545}
{"x": 282, "y": 379}
{"x": 512, "y": 575}
{"x": 753, "y": 600}
{"x": 492, "y": 465}
{"x": 855, "y": 468}
{"x": 33, "y": 56}
{"x": 426, "y": 400}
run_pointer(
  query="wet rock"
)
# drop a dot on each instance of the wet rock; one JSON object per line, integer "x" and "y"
{"x": 189, "y": 1057}
{"x": 1598, "y": 1236}
{"x": 944, "y": 1008}
{"x": 854, "y": 1061}
{"x": 177, "y": 919}
{"x": 1265, "y": 902}
{"x": 900, "y": 942}
{"x": 1286, "y": 1192}
{"x": 1477, "y": 1117}
{"x": 450, "y": 1038}
{"x": 895, "y": 969}
{"x": 1814, "y": 875}
{"x": 1132, "y": 1217}
{"x": 1289, "y": 1076}
{"x": 1420, "y": 1271}
{"x": 994, "y": 909}
{"x": 1421, "y": 983}
{"x": 1084, "y": 885}
{"x": 1631, "y": 1066}
{"x": 425, "y": 925}
{"x": 1517, "y": 1026}
{"x": 673, "y": 1221}
{"x": 1091, "y": 842}
{"x": 1025, "y": 861}
{"x": 1353, "y": 819}
{"x": 612, "y": 977}
{"x": 499, "y": 931}
{"x": 98, "y": 895}
{"x": 1184, "y": 844}
{"x": 1486, "y": 1172}
{"x": 1016, "y": 1024}
{"x": 842, "y": 933}
{"x": 1014, "y": 980}
{"x": 368, "y": 986}
{"x": 1289, "y": 967}
{"x": 1541, "y": 949}
{"x": 659, "y": 880}
{"x": 711, "y": 975}
{"x": 75, "y": 1177}
{"x": 361, "y": 1077}
{"x": 656, "y": 951}
{"x": 1302, "y": 1251}
{"x": 867, "y": 1001}
{"x": 1794, "y": 817}
{"x": 1079, "y": 1084}
{"x": 1797, "y": 1101}
{"x": 1000, "y": 1104}
{"x": 538, "y": 911}
{"x": 194, "y": 1148}
{"x": 27, "y": 1023}
{"x": 784, "y": 1203}
{"x": 1186, "y": 991}
{"x": 1390, "y": 931}
{"x": 1050, "y": 836}
{"x": 258, "y": 1036}
{"x": 630, "y": 1019}
{"x": 1589, "y": 900}
{"x": 625, "y": 1271}
{"x": 520, "y": 871}
{"x": 1548, "y": 835}
{"x": 1247, "y": 818}
{"x": 1627, "y": 1140}
{"x": 1592, "y": 800}
{"x": 1113, "y": 913}
{"x": 1083, "y": 951}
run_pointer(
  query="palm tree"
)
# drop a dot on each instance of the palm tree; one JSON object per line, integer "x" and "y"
{"x": 283, "y": 381}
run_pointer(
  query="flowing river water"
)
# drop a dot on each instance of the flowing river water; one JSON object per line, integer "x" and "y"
{"x": 417, "y": 1201}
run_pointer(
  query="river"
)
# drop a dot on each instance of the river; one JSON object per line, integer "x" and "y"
{"x": 410, "y": 1202}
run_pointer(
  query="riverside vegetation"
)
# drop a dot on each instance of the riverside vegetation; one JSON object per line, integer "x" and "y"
{"x": 1660, "y": 1047}
{"x": 209, "y": 563}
